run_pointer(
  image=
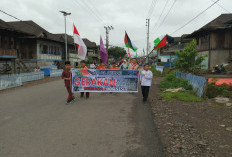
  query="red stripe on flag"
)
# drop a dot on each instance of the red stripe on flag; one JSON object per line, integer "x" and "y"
{"x": 162, "y": 43}
{"x": 75, "y": 30}
{"x": 125, "y": 39}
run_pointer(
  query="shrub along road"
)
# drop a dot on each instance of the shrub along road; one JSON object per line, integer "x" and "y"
{"x": 35, "y": 122}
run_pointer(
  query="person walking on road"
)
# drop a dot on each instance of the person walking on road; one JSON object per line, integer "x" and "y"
{"x": 66, "y": 75}
{"x": 83, "y": 66}
{"x": 134, "y": 65}
{"x": 145, "y": 81}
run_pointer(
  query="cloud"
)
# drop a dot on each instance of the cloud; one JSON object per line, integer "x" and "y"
{"x": 90, "y": 17}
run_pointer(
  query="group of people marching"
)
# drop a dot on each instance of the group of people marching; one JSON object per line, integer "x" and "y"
{"x": 145, "y": 78}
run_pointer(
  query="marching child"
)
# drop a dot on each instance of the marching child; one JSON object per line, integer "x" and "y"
{"x": 101, "y": 66}
{"x": 145, "y": 81}
{"x": 83, "y": 66}
{"x": 114, "y": 67}
{"x": 66, "y": 75}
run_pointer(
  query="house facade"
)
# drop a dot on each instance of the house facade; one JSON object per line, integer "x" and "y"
{"x": 38, "y": 47}
{"x": 25, "y": 45}
{"x": 215, "y": 40}
{"x": 10, "y": 44}
{"x": 93, "y": 51}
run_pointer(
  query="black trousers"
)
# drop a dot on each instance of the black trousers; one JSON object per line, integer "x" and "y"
{"x": 145, "y": 92}
{"x": 87, "y": 94}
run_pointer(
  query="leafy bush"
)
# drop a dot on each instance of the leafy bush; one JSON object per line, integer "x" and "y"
{"x": 223, "y": 90}
{"x": 156, "y": 72}
{"x": 189, "y": 59}
{"x": 171, "y": 81}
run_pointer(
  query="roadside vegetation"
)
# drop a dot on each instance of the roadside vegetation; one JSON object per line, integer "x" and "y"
{"x": 187, "y": 96}
{"x": 213, "y": 90}
{"x": 155, "y": 72}
{"x": 172, "y": 82}
{"x": 189, "y": 61}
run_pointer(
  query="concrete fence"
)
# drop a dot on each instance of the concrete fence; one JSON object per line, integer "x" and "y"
{"x": 56, "y": 72}
{"x": 15, "y": 80}
{"x": 50, "y": 67}
{"x": 47, "y": 69}
{"x": 199, "y": 83}
{"x": 9, "y": 81}
{"x": 26, "y": 77}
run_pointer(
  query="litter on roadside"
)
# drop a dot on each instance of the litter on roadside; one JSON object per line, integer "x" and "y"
{"x": 174, "y": 90}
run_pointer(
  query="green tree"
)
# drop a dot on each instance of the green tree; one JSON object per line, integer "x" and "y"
{"x": 189, "y": 59}
{"x": 90, "y": 60}
{"x": 117, "y": 52}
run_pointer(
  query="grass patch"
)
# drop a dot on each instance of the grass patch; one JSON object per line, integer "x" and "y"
{"x": 186, "y": 96}
{"x": 171, "y": 81}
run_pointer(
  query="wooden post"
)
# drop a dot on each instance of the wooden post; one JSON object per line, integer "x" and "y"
{"x": 209, "y": 57}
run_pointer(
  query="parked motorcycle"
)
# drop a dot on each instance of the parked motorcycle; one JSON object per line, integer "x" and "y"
{"x": 219, "y": 69}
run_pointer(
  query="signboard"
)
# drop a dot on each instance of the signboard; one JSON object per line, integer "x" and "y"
{"x": 159, "y": 68}
{"x": 95, "y": 80}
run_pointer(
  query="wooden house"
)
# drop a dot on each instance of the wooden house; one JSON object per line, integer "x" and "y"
{"x": 215, "y": 40}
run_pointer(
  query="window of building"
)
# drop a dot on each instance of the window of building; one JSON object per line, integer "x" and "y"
{"x": 45, "y": 49}
{"x": 11, "y": 42}
{"x": 204, "y": 39}
{"x": 52, "y": 50}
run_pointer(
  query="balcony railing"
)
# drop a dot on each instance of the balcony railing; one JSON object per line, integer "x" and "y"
{"x": 90, "y": 54}
{"x": 8, "y": 52}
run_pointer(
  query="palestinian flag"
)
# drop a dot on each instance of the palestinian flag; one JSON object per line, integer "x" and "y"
{"x": 129, "y": 44}
{"x": 160, "y": 42}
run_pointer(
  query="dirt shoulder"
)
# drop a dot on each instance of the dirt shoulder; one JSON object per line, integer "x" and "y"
{"x": 200, "y": 129}
{"x": 31, "y": 83}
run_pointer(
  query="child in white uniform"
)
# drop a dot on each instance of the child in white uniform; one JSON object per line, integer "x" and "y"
{"x": 145, "y": 81}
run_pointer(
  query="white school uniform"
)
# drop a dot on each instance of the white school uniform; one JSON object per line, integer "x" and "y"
{"x": 146, "y": 78}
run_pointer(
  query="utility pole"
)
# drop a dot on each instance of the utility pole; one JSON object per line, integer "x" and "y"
{"x": 148, "y": 27}
{"x": 108, "y": 28}
{"x": 66, "y": 45}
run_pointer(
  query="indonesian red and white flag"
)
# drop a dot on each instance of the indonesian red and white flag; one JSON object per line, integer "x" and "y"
{"x": 81, "y": 47}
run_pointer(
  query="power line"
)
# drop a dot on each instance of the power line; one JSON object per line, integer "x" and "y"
{"x": 222, "y": 7}
{"x": 38, "y": 28}
{"x": 10, "y": 15}
{"x": 95, "y": 9}
{"x": 166, "y": 15}
{"x": 195, "y": 17}
{"x": 152, "y": 7}
{"x": 87, "y": 9}
{"x": 161, "y": 14}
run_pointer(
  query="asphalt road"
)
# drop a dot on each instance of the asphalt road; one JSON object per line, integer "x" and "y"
{"x": 35, "y": 122}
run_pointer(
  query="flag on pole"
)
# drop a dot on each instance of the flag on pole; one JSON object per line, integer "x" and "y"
{"x": 103, "y": 53}
{"x": 128, "y": 43}
{"x": 160, "y": 42}
{"x": 143, "y": 52}
{"x": 81, "y": 47}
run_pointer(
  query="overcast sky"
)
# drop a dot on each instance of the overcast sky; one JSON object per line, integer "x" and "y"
{"x": 90, "y": 17}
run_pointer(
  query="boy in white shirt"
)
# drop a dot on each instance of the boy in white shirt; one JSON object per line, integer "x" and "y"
{"x": 145, "y": 81}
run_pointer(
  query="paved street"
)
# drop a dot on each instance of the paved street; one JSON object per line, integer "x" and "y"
{"x": 35, "y": 122}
